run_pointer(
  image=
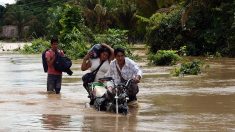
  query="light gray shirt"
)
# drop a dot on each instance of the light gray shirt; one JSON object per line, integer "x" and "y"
{"x": 128, "y": 71}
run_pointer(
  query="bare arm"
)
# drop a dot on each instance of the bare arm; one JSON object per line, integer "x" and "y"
{"x": 50, "y": 61}
{"x": 138, "y": 72}
{"x": 86, "y": 64}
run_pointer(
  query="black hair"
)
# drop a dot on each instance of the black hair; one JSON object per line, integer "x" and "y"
{"x": 119, "y": 50}
{"x": 104, "y": 49}
{"x": 54, "y": 39}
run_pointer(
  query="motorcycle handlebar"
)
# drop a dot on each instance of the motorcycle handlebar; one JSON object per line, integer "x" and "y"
{"x": 125, "y": 84}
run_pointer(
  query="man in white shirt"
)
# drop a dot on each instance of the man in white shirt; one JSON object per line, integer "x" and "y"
{"x": 123, "y": 68}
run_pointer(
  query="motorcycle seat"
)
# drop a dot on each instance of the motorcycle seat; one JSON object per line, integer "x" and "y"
{"x": 106, "y": 79}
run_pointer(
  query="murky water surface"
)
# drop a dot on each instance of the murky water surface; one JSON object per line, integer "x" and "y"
{"x": 191, "y": 103}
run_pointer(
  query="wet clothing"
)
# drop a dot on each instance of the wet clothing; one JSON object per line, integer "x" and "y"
{"x": 103, "y": 69}
{"x": 54, "y": 77}
{"x": 100, "y": 74}
{"x": 54, "y": 83}
{"x": 51, "y": 69}
{"x": 128, "y": 71}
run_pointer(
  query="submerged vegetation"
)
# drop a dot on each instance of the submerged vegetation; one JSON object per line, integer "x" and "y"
{"x": 38, "y": 46}
{"x": 164, "y": 57}
{"x": 188, "y": 68}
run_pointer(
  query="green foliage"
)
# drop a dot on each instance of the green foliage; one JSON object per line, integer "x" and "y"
{"x": 231, "y": 38}
{"x": 218, "y": 55}
{"x": 16, "y": 15}
{"x": 2, "y": 11}
{"x": 97, "y": 18}
{"x": 204, "y": 27}
{"x": 38, "y": 46}
{"x": 74, "y": 44}
{"x": 146, "y": 8}
{"x": 115, "y": 38}
{"x": 163, "y": 32}
{"x": 209, "y": 26}
{"x": 124, "y": 15}
{"x": 67, "y": 22}
{"x": 141, "y": 26}
{"x": 71, "y": 17}
{"x": 31, "y": 13}
{"x": 176, "y": 72}
{"x": 76, "y": 48}
{"x": 63, "y": 19}
{"x": 54, "y": 26}
{"x": 164, "y": 57}
{"x": 183, "y": 51}
{"x": 191, "y": 68}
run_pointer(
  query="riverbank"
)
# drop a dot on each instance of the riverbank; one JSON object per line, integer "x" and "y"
{"x": 11, "y": 46}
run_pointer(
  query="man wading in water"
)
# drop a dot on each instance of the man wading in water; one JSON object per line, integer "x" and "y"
{"x": 121, "y": 69}
{"x": 54, "y": 77}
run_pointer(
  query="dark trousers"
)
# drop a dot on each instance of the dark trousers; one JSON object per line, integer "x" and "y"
{"x": 54, "y": 83}
{"x": 132, "y": 91}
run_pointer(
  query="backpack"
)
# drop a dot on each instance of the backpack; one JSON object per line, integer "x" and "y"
{"x": 44, "y": 60}
{"x": 63, "y": 63}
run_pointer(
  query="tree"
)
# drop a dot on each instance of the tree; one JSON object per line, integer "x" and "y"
{"x": 147, "y": 8}
{"x": 67, "y": 23}
{"x": 16, "y": 15}
{"x": 97, "y": 14}
{"x": 209, "y": 24}
{"x": 2, "y": 11}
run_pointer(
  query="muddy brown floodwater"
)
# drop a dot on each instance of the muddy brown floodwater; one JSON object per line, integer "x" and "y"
{"x": 191, "y": 103}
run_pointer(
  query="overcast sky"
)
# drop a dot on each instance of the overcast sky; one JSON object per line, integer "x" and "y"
{"x": 3, "y": 2}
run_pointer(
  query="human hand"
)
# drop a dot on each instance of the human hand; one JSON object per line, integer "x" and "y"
{"x": 137, "y": 78}
{"x": 89, "y": 55}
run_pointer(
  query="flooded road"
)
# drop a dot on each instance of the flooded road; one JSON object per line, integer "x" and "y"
{"x": 191, "y": 103}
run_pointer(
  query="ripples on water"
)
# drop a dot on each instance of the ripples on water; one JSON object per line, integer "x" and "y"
{"x": 192, "y": 103}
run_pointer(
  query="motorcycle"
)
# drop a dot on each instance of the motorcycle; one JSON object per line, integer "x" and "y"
{"x": 105, "y": 95}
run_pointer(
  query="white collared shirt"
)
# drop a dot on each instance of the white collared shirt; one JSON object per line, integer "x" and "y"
{"x": 128, "y": 71}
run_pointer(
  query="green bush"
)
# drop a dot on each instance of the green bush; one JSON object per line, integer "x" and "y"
{"x": 204, "y": 28}
{"x": 115, "y": 38}
{"x": 183, "y": 51}
{"x": 74, "y": 44}
{"x": 67, "y": 22}
{"x": 38, "y": 46}
{"x": 164, "y": 57}
{"x": 189, "y": 68}
{"x": 164, "y": 31}
{"x": 175, "y": 71}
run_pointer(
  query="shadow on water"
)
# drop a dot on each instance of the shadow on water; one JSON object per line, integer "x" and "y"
{"x": 55, "y": 122}
{"x": 192, "y": 103}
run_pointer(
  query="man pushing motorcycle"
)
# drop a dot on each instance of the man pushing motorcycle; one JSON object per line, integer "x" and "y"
{"x": 122, "y": 69}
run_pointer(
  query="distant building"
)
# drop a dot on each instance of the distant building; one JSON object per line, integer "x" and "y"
{"x": 11, "y": 31}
